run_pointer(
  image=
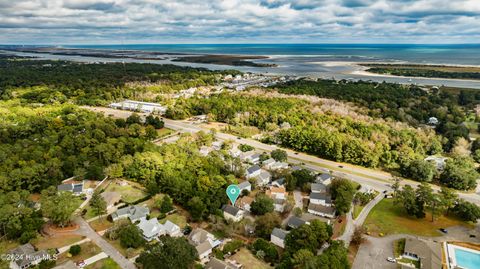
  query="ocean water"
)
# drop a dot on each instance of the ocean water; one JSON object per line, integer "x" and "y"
{"x": 336, "y": 61}
{"x": 465, "y": 54}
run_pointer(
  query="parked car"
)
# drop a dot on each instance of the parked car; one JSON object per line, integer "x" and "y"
{"x": 473, "y": 236}
{"x": 81, "y": 264}
{"x": 390, "y": 259}
{"x": 340, "y": 166}
{"x": 443, "y": 230}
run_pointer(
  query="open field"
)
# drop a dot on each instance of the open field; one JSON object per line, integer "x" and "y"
{"x": 249, "y": 261}
{"x": 100, "y": 224}
{"x": 388, "y": 218}
{"x": 357, "y": 209}
{"x": 56, "y": 241}
{"x": 130, "y": 192}
{"x": 176, "y": 218}
{"x": 164, "y": 132}
{"x": 107, "y": 263}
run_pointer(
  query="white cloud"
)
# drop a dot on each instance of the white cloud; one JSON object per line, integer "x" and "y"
{"x": 170, "y": 21}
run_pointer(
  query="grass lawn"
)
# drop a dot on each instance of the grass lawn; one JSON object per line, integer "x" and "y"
{"x": 164, "y": 132}
{"x": 412, "y": 262}
{"x": 89, "y": 249}
{"x": 399, "y": 247}
{"x": 130, "y": 193}
{"x": 56, "y": 241}
{"x": 176, "y": 218}
{"x": 123, "y": 251}
{"x": 248, "y": 260}
{"x": 357, "y": 209}
{"x": 106, "y": 263}
{"x": 388, "y": 218}
{"x": 100, "y": 224}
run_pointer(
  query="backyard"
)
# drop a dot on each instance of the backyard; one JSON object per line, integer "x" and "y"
{"x": 130, "y": 191}
{"x": 388, "y": 218}
{"x": 56, "y": 241}
{"x": 107, "y": 263}
{"x": 249, "y": 261}
{"x": 88, "y": 249}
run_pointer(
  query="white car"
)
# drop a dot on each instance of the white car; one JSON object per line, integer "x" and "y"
{"x": 390, "y": 259}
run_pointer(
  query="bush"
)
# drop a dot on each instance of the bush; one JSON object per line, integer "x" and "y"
{"x": 232, "y": 246}
{"x": 75, "y": 250}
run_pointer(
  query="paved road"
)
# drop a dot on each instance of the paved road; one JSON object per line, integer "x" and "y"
{"x": 378, "y": 180}
{"x": 87, "y": 231}
{"x": 352, "y": 224}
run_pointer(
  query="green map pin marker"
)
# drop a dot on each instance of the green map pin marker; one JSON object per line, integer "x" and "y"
{"x": 233, "y": 191}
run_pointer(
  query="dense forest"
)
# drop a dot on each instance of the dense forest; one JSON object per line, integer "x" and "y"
{"x": 410, "y": 104}
{"x": 95, "y": 83}
{"x": 330, "y": 136}
{"x": 40, "y": 146}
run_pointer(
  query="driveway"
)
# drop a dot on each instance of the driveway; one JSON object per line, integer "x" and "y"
{"x": 373, "y": 253}
{"x": 113, "y": 253}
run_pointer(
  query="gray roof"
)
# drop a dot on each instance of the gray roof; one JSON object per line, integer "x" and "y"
{"x": 322, "y": 209}
{"x": 318, "y": 187}
{"x": 296, "y": 168}
{"x": 268, "y": 161}
{"x": 429, "y": 252}
{"x": 203, "y": 247}
{"x": 133, "y": 212}
{"x": 215, "y": 263}
{"x": 264, "y": 175}
{"x": 231, "y": 210}
{"x": 170, "y": 226}
{"x": 255, "y": 156}
{"x": 295, "y": 222}
{"x": 279, "y": 181}
{"x": 77, "y": 188}
{"x": 65, "y": 187}
{"x": 279, "y": 201}
{"x": 198, "y": 236}
{"x": 252, "y": 169}
{"x": 279, "y": 233}
{"x": 324, "y": 177}
{"x": 26, "y": 254}
{"x": 244, "y": 185}
{"x": 151, "y": 228}
{"x": 321, "y": 196}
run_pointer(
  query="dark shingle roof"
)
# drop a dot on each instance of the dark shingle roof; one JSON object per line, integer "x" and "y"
{"x": 279, "y": 233}
{"x": 322, "y": 209}
{"x": 65, "y": 187}
{"x": 231, "y": 209}
{"x": 295, "y": 222}
{"x": 253, "y": 169}
{"x": 321, "y": 196}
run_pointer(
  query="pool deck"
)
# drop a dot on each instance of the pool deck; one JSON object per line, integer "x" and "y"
{"x": 450, "y": 254}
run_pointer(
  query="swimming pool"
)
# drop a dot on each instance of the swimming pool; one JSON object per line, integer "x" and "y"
{"x": 467, "y": 259}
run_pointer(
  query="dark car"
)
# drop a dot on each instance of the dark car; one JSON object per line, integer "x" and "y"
{"x": 340, "y": 166}
{"x": 443, "y": 230}
{"x": 473, "y": 236}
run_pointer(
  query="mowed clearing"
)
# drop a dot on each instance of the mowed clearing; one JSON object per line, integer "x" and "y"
{"x": 389, "y": 218}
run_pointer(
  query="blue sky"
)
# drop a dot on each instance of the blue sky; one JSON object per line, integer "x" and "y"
{"x": 238, "y": 21}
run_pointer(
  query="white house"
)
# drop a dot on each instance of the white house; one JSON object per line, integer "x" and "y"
{"x": 279, "y": 196}
{"x": 26, "y": 256}
{"x": 320, "y": 199}
{"x": 253, "y": 171}
{"x": 133, "y": 212}
{"x": 267, "y": 163}
{"x": 246, "y": 156}
{"x": 279, "y": 165}
{"x": 232, "y": 213}
{"x": 151, "y": 228}
{"x": 203, "y": 242}
{"x": 245, "y": 186}
{"x": 204, "y": 150}
{"x": 172, "y": 229}
{"x": 217, "y": 145}
{"x": 279, "y": 182}
{"x": 71, "y": 185}
{"x": 438, "y": 161}
{"x": 322, "y": 211}
{"x": 278, "y": 237}
{"x": 324, "y": 179}
{"x": 235, "y": 153}
{"x": 144, "y": 107}
{"x": 263, "y": 178}
{"x": 295, "y": 222}
{"x": 254, "y": 158}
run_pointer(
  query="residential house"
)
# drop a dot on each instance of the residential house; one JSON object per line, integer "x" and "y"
{"x": 279, "y": 196}
{"x": 151, "y": 229}
{"x": 324, "y": 179}
{"x": 321, "y": 210}
{"x": 264, "y": 178}
{"x": 255, "y": 158}
{"x": 215, "y": 263}
{"x": 279, "y": 182}
{"x": 245, "y": 203}
{"x": 172, "y": 229}
{"x": 318, "y": 188}
{"x": 234, "y": 152}
{"x": 204, "y": 150}
{"x": 439, "y": 162}
{"x": 267, "y": 163}
{"x": 217, "y": 145}
{"x": 428, "y": 252}
{"x": 320, "y": 199}
{"x": 278, "y": 237}
{"x": 203, "y": 242}
{"x": 71, "y": 185}
{"x": 232, "y": 213}
{"x": 26, "y": 256}
{"x": 245, "y": 185}
{"x": 246, "y": 156}
{"x": 295, "y": 222}
{"x": 111, "y": 198}
{"x": 253, "y": 171}
{"x": 279, "y": 165}
{"x": 133, "y": 212}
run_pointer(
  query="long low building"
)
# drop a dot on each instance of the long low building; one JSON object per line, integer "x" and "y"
{"x": 144, "y": 107}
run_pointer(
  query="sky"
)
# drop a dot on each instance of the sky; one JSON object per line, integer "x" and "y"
{"x": 238, "y": 21}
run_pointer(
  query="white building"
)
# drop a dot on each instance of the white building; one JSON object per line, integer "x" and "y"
{"x": 320, "y": 199}
{"x": 151, "y": 229}
{"x": 322, "y": 211}
{"x": 278, "y": 237}
{"x": 232, "y": 213}
{"x": 144, "y": 107}
{"x": 245, "y": 186}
